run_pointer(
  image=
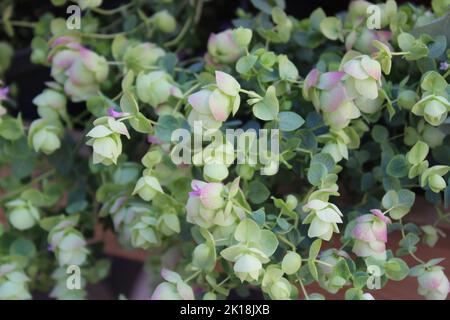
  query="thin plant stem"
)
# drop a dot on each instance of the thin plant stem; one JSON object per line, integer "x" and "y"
{"x": 193, "y": 276}
{"x": 286, "y": 241}
{"x": 410, "y": 252}
{"x": 26, "y": 186}
{"x": 24, "y": 24}
{"x": 303, "y": 288}
{"x": 181, "y": 35}
{"x": 109, "y": 12}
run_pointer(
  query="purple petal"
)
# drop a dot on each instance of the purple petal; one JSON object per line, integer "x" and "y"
{"x": 331, "y": 100}
{"x": 154, "y": 140}
{"x": 197, "y": 186}
{"x": 4, "y": 93}
{"x": 443, "y": 66}
{"x": 329, "y": 79}
{"x": 312, "y": 78}
{"x": 88, "y": 58}
{"x": 383, "y": 36}
{"x": 62, "y": 40}
{"x": 380, "y": 215}
{"x": 116, "y": 114}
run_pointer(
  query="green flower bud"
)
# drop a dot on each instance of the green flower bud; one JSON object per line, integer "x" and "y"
{"x": 433, "y": 284}
{"x": 281, "y": 290}
{"x": 68, "y": 243}
{"x": 142, "y": 55}
{"x": 254, "y": 248}
{"x": 156, "y": 87}
{"x": 51, "y": 104}
{"x": 169, "y": 224}
{"x": 273, "y": 283}
{"x": 164, "y": 21}
{"x": 44, "y": 135}
{"x": 147, "y": 187}
{"x": 323, "y": 219}
{"x": 207, "y": 205}
{"x": 242, "y": 36}
{"x": 22, "y": 215}
{"x": 213, "y": 106}
{"x": 407, "y": 99}
{"x": 60, "y": 290}
{"x": 173, "y": 289}
{"x": 433, "y": 108}
{"x": 143, "y": 232}
{"x": 291, "y": 263}
{"x": 436, "y": 183}
{"x": 204, "y": 256}
{"x": 79, "y": 69}
{"x": 13, "y": 283}
{"x": 105, "y": 140}
{"x": 291, "y": 201}
{"x": 433, "y": 178}
{"x": 71, "y": 249}
{"x": 223, "y": 47}
{"x": 329, "y": 94}
{"x": 364, "y": 76}
{"x": 216, "y": 157}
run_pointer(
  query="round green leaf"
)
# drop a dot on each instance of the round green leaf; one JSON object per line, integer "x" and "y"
{"x": 396, "y": 269}
{"x": 257, "y": 192}
{"x": 290, "y": 121}
{"x": 397, "y": 166}
{"x": 246, "y": 63}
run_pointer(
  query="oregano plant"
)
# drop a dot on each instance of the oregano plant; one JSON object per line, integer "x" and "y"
{"x": 271, "y": 155}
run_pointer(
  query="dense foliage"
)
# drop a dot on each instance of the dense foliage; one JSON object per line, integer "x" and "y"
{"x": 363, "y": 124}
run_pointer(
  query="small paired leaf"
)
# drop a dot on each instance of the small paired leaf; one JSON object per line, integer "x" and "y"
{"x": 166, "y": 125}
{"x": 128, "y": 103}
{"x": 246, "y": 63}
{"x": 290, "y": 121}
{"x": 408, "y": 244}
{"x": 379, "y": 133}
{"x": 141, "y": 124}
{"x": 268, "y": 108}
{"x": 11, "y": 128}
{"x": 246, "y": 230}
{"x": 22, "y": 247}
{"x": 128, "y": 80}
{"x": 257, "y": 192}
{"x": 316, "y": 173}
{"x": 331, "y": 27}
{"x": 259, "y": 216}
{"x": 396, "y": 269}
{"x": 418, "y": 153}
{"x": 313, "y": 252}
{"x": 399, "y": 202}
{"x": 397, "y": 166}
